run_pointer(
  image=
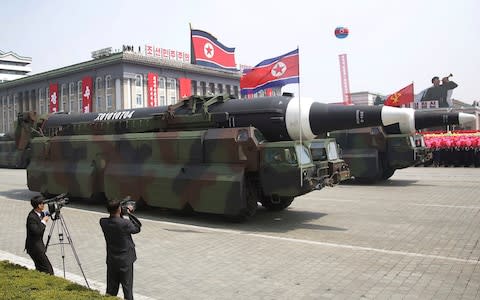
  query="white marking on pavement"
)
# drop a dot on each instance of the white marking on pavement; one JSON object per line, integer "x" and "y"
{"x": 309, "y": 242}
{"x": 450, "y": 206}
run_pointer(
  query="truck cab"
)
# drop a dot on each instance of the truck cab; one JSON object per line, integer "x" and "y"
{"x": 330, "y": 169}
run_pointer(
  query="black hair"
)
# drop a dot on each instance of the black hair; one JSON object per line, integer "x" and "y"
{"x": 435, "y": 78}
{"x": 37, "y": 200}
{"x": 112, "y": 205}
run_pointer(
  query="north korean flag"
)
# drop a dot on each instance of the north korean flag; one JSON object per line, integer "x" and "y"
{"x": 208, "y": 51}
{"x": 273, "y": 72}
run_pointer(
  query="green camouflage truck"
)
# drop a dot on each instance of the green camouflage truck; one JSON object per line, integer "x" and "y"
{"x": 374, "y": 156}
{"x": 15, "y": 147}
{"x": 212, "y": 154}
{"x": 375, "y": 153}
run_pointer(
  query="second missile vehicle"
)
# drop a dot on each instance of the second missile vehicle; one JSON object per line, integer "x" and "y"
{"x": 375, "y": 153}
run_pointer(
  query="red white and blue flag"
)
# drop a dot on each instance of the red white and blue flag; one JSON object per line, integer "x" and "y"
{"x": 208, "y": 51}
{"x": 273, "y": 72}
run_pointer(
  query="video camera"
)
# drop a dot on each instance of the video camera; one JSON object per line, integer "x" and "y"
{"x": 125, "y": 204}
{"x": 55, "y": 204}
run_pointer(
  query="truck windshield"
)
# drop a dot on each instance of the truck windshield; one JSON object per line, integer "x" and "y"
{"x": 332, "y": 150}
{"x": 302, "y": 154}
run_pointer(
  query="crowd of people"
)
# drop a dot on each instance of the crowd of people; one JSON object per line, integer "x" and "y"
{"x": 459, "y": 149}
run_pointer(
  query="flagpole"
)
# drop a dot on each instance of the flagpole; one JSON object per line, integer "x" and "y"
{"x": 299, "y": 119}
{"x": 192, "y": 52}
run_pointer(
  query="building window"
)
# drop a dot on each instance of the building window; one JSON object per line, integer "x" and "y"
{"x": 235, "y": 91}
{"x": 108, "y": 93}
{"x": 161, "y": 91}
{"x": 194, "y": 88}
{"x": 47, "y": 99}
{"x": 4, "y": 115}
{"x": 10, "y": 113}
{"x": 171, "y": 91}
{"x": 203, "y": 88}
{"x": 220, "y": 88}
{"x": 138, "y": 90}
{"x": 98, "y": 94}
{"x": 229, "y": 91}
{"x": 41, "y": 101}
{"x": 211, "y": 88}
{"x": 79, "y": 97}
{"x": 63, "y": 97}
{"x": 15, "y": 105}
{"x": 71, "y": 99}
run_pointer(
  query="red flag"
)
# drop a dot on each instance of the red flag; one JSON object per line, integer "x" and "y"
{"x": 53, "y": 96}
{"x": 403, "y": 96}
{"x": 208, "y": 51}
{"x": 87, "y": 92}
{"x": 185, "y": 87}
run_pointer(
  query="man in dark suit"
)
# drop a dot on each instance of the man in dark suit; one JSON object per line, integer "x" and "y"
{"x": 120, "y": 248}
{"x": 440, "y": 92}
{"x": 36, "y": 223}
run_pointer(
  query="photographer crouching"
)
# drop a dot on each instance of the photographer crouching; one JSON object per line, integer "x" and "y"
{"x": 36, "y": 223}
{"x": 120, "y": 247}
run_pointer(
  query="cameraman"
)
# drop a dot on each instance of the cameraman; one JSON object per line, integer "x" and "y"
{"x": 120, "y": 248}
{"x": 36, "y": 223}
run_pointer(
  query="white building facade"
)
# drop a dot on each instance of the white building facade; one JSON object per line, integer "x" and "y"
{"x": 13, "y": 66}
{"x": 117, "y": 81}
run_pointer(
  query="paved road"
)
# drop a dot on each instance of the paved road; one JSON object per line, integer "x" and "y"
{"x": 414, "y": 237}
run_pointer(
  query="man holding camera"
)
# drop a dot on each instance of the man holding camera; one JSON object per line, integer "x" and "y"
{"x": 120, "y": 247}
{"x": 36, "y": 223}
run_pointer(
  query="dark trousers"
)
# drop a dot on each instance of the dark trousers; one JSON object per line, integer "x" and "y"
{"x": 120, "y": 275}
{"x": 41, "y": 261}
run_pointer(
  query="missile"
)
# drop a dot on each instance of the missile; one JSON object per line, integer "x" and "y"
{"x": 419, "y": 119}
{"x": 279, "y": 118}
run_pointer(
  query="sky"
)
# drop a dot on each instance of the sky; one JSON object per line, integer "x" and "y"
{"x": 391, "y": 43}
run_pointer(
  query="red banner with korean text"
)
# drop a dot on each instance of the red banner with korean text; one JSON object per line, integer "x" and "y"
{"x": 152, "y": 87}
{"x": 185, "y": 87}
{"x": 87, "y": 94}
{"x": 53, "y": 96}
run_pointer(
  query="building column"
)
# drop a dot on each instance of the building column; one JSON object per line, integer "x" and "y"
{"x": 118, "y": 94}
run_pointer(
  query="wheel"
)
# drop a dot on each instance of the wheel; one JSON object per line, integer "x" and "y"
{"x": 251, "y": 202}
{"x": 387, "y": 173}
{"x": 276, "y": 203}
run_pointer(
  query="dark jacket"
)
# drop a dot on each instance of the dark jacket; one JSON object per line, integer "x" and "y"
{"x": 439, "y": 93}
{"x": 118, "y": 236}
{"x": 35, "y": 230}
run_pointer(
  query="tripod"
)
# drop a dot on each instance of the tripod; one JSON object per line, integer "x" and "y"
{"x": 62, "y": 228}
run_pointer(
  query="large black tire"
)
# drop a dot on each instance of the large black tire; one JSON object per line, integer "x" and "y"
{"x": 251, "y": 202}
{"x": 277, "y": 203}
{"x": 387, "y": 173}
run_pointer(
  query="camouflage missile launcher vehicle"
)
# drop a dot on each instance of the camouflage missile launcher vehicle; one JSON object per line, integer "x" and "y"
{"x": 211, "y": 155}
{"x": 15, "y": 147}
{"x": 374, "y": 153}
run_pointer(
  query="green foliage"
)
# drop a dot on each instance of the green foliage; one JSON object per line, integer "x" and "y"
{"x": 17, "y": 282}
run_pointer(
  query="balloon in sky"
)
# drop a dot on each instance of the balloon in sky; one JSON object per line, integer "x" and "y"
{"x": 341, "y": 32}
